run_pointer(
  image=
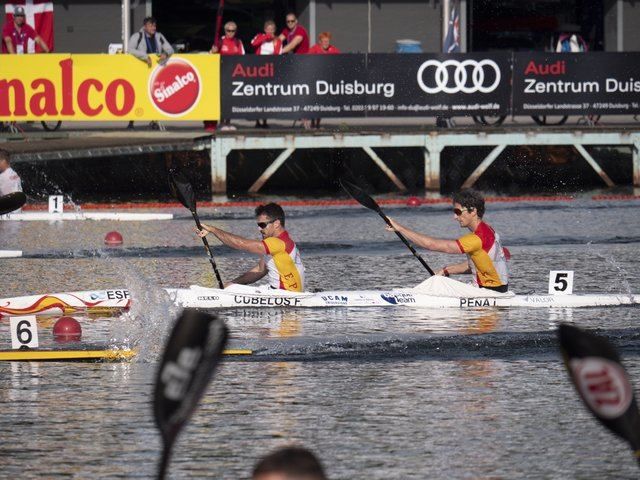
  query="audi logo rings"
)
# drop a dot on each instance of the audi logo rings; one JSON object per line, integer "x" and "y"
{"x": 460, "y": 75}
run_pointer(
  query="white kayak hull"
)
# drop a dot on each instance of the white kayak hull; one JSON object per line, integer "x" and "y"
{"x": 239, "y": 296}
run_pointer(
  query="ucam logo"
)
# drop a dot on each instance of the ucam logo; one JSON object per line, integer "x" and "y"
{"x": 398, "y": 298}
{"x": 454, "y": 76}
{"x": 603, "y": 385}
{"x": 175, "y": 88}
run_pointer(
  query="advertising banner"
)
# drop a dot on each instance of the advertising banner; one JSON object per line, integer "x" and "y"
{"x": 108, "y": 87}
{"x": 354, "y": 85}
{"x": 576, "y": 83}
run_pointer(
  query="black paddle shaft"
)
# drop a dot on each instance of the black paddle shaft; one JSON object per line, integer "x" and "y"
{"x": 12, "y": 201}
{"x": 191, "y": 355}
{"x": 183, "y": 191}
{"x": 366, "y": 201}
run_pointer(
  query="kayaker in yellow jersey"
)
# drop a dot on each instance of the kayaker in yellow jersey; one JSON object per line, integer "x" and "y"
{"x": 486, "y": 257}
{"x": 280, "y": 256}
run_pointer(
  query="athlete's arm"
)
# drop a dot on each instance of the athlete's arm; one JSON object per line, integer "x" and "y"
{"x": 251, "y": 276}
{"x": 294, "y": 43}
{"x": 234, "y": 241}
{"x": 424, "y": 241}
{"x": 455, "y": 268}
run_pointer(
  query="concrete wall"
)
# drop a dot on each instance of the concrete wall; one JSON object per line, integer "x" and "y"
{"x": 348, "y": 21}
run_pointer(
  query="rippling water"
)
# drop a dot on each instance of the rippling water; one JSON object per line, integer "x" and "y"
{"x": 377, "y": 393}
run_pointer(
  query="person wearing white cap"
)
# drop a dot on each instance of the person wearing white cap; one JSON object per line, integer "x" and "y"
{"x": 16, "y": 34}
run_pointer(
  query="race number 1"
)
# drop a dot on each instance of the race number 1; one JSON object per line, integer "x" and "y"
{"x": 24, "y": 332}
{"x": 56, "y": 203}
{"x": 561, "y": 282}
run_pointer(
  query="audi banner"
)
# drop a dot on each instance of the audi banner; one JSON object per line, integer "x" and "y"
{"x": 576, "y": 83}
{"x": 354, "y": 85}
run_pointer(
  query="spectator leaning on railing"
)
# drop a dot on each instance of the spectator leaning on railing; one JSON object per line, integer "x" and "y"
{"x": 266, "y": 44}
{"x": 16, "y": 34}
{"x": 148, "y": 41}
{"x": 295, "y": 35}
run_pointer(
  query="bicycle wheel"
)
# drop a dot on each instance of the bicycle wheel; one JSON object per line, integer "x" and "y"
{"x": 51, "y": 126}
{"x": 549, "y": 120}
{"x": 489, "y": 121}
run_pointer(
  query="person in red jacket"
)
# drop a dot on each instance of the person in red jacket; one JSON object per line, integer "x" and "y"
{"x": 229, "y": 45}
{"x": 324, "y": 47}
{"x": 266, "y": 43}
{"x": 16, "y": 34}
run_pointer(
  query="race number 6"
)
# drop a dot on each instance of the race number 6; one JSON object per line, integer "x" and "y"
{"x": 561, "y": 282}
{"x": 56, "y": 203}
{"x": 24, "y": 332}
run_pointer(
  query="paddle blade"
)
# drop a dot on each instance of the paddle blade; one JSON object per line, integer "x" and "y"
{"x": 192, "y": 353}
{"x": 359, "y": 195}
{"x": 12, "y": 201}
{"x": 181, "y": 189}
{"x": 601, "y": 381}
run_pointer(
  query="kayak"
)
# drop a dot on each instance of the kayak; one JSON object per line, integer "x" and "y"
{"x": 435, "y": 292}
{"x": 84, "y": 353}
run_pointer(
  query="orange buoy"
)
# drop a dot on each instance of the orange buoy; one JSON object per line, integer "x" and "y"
{"x": 67, "y": 329}
{"x": 414, "y": 202}
{"x": 113, "y": 238}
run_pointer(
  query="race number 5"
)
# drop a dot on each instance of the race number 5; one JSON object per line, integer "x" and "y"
{"x": 56, "y": 204}
{"x": 561, "y": 282}
{"x": 24, "y": 332}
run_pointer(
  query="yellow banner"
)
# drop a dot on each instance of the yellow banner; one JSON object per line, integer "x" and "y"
{"x": 108, "y": 87}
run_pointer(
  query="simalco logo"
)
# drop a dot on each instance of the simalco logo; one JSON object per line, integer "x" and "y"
{"x": 175, "y": 88}
{"x": 60, "y": 93}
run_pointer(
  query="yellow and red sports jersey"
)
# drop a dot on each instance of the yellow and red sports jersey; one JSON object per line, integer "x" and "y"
{"x": 284, "y": 263}
{"x": 486, "y": 256}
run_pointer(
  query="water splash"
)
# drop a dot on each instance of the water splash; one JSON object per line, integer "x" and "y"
{"x": 146, "y": 325}
{"x": 623, "y": 275}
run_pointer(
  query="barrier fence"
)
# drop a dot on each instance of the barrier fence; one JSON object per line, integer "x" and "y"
{"x": 205, "y": 87}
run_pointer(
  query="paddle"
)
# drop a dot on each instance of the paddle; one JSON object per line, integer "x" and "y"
{"x": 219, "y": 24}
{"x": 602, "y": 382}
{"x": 183, "y": 191}
{"x": 11, "y": 202}
{"x": 192, "y": 353}
{"x": 366, "y": 201}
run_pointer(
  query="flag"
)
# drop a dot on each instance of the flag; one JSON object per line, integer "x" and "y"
{"x": 39, "y": 16}
{"x": 452, "y": 40}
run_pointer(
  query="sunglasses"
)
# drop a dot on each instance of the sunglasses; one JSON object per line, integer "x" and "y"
{"x": 458, "y": 211}
{"x": 263, "y": 225}
{"x": 230, "y": 31}
{"x": 291, "y": 21}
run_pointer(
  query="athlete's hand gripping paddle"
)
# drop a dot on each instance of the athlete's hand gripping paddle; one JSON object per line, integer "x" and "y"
{"x": 183, "y": 191}
{"x": 192, "y": 353}
{"x": 602, "y": 382}
{"x": 366, "y": 201}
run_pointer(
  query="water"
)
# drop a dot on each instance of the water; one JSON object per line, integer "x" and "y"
{"x": 377, "y": 393}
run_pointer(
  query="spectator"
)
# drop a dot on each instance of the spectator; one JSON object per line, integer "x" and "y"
{"x": 9, "y": 180}
{"x": 289, "y": 463}
{"x": 229, "y": 45}
{"x": 295, "y": 35}
{"x": 16, "y": 34}
{"x": 266, "y": 44}
{"x": 148, "y": 41}
{"x": 324, "y": 46}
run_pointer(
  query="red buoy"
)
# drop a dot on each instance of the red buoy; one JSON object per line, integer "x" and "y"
{"x": 113, "y": 238}
{"x": 414, "y": 202}
{"x": 67, "y": 329}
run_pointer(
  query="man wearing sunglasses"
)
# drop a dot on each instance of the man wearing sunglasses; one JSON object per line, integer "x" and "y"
{"x": 295, "y": 35}
{"x": 486, "y": 259}
{"x": 280, "y": 257}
